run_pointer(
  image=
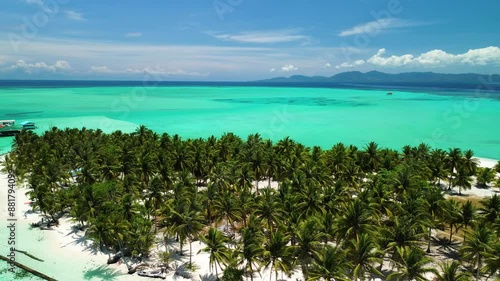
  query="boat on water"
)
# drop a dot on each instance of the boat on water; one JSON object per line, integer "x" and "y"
{"x": 28, "y": 125}
{"x": 9, "y": 128}
{"x": 389, "y": 93}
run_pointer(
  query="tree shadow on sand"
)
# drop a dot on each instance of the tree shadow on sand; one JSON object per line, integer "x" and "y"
{"x": 82, "y": 241}
{"x": 102, "y": 273}
{"x": 445, "y": 248}
{"x": 208, "y": 277}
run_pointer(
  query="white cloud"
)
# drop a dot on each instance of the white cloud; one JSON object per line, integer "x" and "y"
{"x": 164, "y": 72}
{"x": 100, "y": 69}
{"x": 274, "y": 36}
{"x": 349, "y": 65}
{"x": 134, "y": 34}
{"x": 379, "y": 59}
{"x": 327, "y": 65}
{"x": 72, "y": 15}
{"x": 272, "y": 70}
{"x": 288, "y": 68}
{"x": 145, "y": 70}
{"x": 39, "y": 66}
{"x": 377, "y": 26}
{"x": 439, "y": 58}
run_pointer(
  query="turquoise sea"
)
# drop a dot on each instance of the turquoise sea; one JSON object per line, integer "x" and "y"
{"x": 312, "y": 116}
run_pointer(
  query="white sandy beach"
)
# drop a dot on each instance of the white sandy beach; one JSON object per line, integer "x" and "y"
{"x": 68, "y": 255}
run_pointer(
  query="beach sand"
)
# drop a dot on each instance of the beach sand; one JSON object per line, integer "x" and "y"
{"x": 68, "y": 255}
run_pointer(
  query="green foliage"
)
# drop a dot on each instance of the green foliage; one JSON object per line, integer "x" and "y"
{"x": 372, "y": 203}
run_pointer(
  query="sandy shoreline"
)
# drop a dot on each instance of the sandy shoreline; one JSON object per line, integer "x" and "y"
{"x": 68, "y": 255}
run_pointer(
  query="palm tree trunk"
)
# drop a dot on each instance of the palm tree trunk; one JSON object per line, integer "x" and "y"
{"x": 271, "y": 272}
{"x": 478, "y": 267}
{"x": 451, "y": 233}
{"x": 429, "y": 245}
{"x": 251, "y": 271}
{"x": 216, "y": 271}
{"x": 190, "y": 253}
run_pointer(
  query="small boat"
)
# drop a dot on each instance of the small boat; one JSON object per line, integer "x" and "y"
{"x": 157, "y": 273}
{"x": 8, "y": 128}
{"x": 389, "y": 93}
{"x": 28, "y": 125}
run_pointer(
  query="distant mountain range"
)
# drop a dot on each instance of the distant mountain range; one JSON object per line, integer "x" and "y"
{"x": 381, "y": 77}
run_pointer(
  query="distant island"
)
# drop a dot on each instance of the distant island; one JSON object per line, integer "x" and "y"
{"x": 381, "y": 77}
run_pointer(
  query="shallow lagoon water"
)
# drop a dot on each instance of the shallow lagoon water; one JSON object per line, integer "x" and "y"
{"x": 312, "y": 116}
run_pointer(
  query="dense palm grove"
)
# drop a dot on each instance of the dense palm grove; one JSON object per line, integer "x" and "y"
{"x": 337, "y": 214}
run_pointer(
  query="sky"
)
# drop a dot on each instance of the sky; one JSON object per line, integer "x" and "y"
{"x": 242, "y": 40}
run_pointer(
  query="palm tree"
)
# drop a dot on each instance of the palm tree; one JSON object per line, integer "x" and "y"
{"x": 363, "y": 253}
{"x": 268, "y": 208}
{"x": 435, "y": 199}
{"x": 356, "y": 219}
{"x": 190, "y": 225}
{"x": 470, "y": 163}
{"x": 492, "y": 260}
{"x": 329, "y": 264}
{"x": 219, "y": 253}
{"x": 485, "y": 176}
{"x": 491, "y": 208}
{"x": 450, "y": 271}
{"x": 451, "y": 215}
{"x": 414, "y": 265}
{"x": 467, "y": 215}
{"x": 251, "y": 250}
{"x": 372, "y": 157}
{"x": 308, "y": 238}
{"x": 437, "y": 164}
{"x": 278, "y": 254}
{"x": 453, "y": 160}
{"x": 225, "y": 207}
{"x": 462, "y": 179}
{"x": 477, "y": 246}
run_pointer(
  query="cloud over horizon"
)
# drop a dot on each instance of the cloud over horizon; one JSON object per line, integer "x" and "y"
{"x": 30, "y": 68}
{"x": 377, "y": 26}
{"x": 263, "y": 37}
{"x": 431, "y": 59}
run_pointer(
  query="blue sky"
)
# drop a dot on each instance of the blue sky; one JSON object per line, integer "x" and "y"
{"x": 228, "y": 40}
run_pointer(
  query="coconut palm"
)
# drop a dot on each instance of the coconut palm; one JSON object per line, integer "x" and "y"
{"x": 226, "y": 208}
{"x": 278, "y": 254}
{"x": 308, "y": 240}
{"x": 356, "y": 219}
{"x": 462, "y": 179}
{"x": 490, "y": 209}
{"x": 450, "y": 271}
{"x": 215, "y": 245}
{"x": 268, "y": 208}
{"x": 437, "y": 165}
{"x": 363, "y": 253}
{"x": 477, "y": 246}
{"x": 467, "y": 215}
{"x": 469, "y": 163}
{"x": 329, "y": 264}
{"x": 434, "y": 198}
{"x": 414, "y": 265}
{"x": 485, "y": 176}
{"x": 453, "y": 160}
{"x": 492, "y": 260}
{"x": 251, "y": 250}
{"x": 190, "y": 225}
{"x": 451, "y": 215}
